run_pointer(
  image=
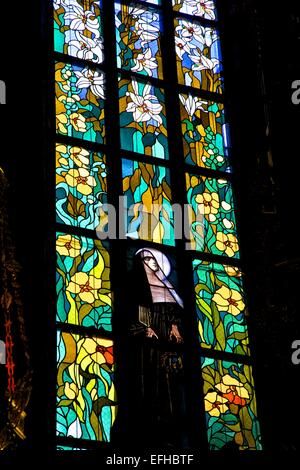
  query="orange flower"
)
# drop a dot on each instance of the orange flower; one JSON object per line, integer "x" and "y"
{"x": 94, "y": 352}
{"x": 107, "y": 353}
{"x": 233, "y": 390}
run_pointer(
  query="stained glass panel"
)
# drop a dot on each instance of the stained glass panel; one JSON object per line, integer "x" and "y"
{"x": 203, "y": 8}
{"x": 147, "y": 189}
{"x": 220, "y": 306}
{"x": 86, "y": 395}
{"x": 80, "y": 102}
{"x": 138, "y": 40}
{"x": 230, "y": 406}
{"x": 80, "y": 186}
{"x": 205, "y": 133}
{"x": 198, "y": 56}
{"x": 78, "y": 29}
{"x": 83, "y": 282}
{"x": 143, "y": 118}
{"x": 211, "y": 216}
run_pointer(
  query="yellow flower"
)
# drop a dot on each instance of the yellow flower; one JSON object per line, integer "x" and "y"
{"x": 208, "y": 203}
{"x": 86, "y": 286}
{"x": 94, "y": 351}
{"x": 61, "y": 120}
{"x": 78, "y": 122}
{"x": 233, "y": 271}
{"x": 71, "y": 390}
{"x": 233, "y": 390}
{"x": 215, "y": 404}
{"x": 67, "y": 245}
{"x": 61, "y": 148}
{"x": 227, "y": 243}
{"x": 81, "y": 179}
{"x": 63, "y": 161}
{"x": 229, "y": 300}
{"x": 80, "y": 156}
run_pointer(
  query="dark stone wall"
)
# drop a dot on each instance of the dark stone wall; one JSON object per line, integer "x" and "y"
{"x": 262, "y": 44}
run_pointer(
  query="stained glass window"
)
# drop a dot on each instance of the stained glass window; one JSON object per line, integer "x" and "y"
{"x": 212, "y": 216}
{"x": 205, "y": 133}
{"x": 143, "y": 118}
{"x": 141, "y": 112}
{"x": 230, "y": 405}
{"x": 81, "y": 186}
{"x": 80, "y": 102}
{"x": 83, "y": 282}
{"x": 221, "y": 307}
{"x": 148, "y": 193}
{"x": 203, "y": 8}
{"x": 86, "y": 406}
{"x": 78, "y": 29}
{"x": 198, "y": 55}
{"x": 138, "y": 32}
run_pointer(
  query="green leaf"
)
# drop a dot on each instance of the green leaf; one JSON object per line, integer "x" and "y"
{"x": 204, "y": 308}
{"x": 189, "y": 124}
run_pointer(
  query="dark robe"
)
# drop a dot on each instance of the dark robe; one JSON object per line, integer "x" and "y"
{"x": 157, "y": 401}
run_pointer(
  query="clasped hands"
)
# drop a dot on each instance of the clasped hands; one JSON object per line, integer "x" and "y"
{"x": 174, "y": 333}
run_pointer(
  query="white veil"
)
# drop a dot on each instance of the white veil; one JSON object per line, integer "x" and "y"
{"x": 164, "y": 269}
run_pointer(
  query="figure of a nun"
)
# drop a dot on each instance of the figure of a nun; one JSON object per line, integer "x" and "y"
{"x": 157, "y": 339}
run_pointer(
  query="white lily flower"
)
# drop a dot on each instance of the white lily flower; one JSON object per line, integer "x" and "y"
{"x": 192, "y": 103}
{"x": 203, "y": 63}
{"x": 81, "y": 19}
{"x": 145, "y": 25}
{"x": 191, "y": 31}
{"x": 86, "y": 48}
{"x": 144, "y": 107}
{"x": 91, "y": 79}
{"x": 145, "y": 62}
{"x": 181, "y": 46}
{"x": 206, "y": 8}
{"x": 146, "y": 32}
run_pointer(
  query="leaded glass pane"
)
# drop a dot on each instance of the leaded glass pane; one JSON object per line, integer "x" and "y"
{"x": 78, "y": 29}
{"x": 80, "y": 102}
{"x": 198, "y": 56}
{"x": 143, "y": 124}
{"x": 220, "y": 307}
{"x": 81, "y": 186}
{"x": 83, "y": 287}
{"x": 86, "y": 396}
{"x": 138, "y": 33}
{"x": 205, "y": 133}
{"x": 212, "y": 216}
{"x": 230, "y": 406}
{"x": 148, "y": 200}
